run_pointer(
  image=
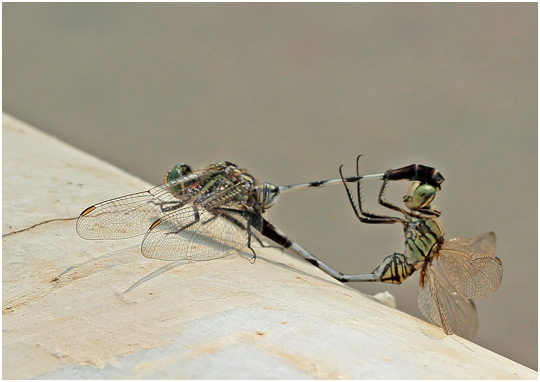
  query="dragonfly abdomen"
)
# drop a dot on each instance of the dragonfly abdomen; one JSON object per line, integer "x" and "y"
{"x": 394, "y": 269}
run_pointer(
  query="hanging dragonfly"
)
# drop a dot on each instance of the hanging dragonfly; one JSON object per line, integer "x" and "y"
{"x": 207, "y": 214}
{"x": 452, "y": 272}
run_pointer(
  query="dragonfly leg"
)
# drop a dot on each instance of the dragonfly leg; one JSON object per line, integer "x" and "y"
{"x": 174, "y": 205}
{"x": 197, "y": 218}
{"x": 249, "y": 241}
{"x": 226, "y": 213}
{"x": 387, "y": 204}
{"x": 263, "y": 244}
{"x": 195, "y": 221}
{"x": 361, "y": 214}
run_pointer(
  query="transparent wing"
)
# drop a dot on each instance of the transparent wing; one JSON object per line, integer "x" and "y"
{"x": 441, "y": 304}
{"x": 131, "y": 215}
{"x": 472, "y": 273}
{"x": 216, "y": 228}
{"x": 483, "y": 243}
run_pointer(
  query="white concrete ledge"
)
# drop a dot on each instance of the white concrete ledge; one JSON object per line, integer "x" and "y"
{"x": 279, "y": 318}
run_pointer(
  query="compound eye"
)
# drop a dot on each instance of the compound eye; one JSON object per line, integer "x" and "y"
{"x": 423, "y": 195}
{"x": 267, "y": 195}
{"x": 177, "y": 171}
{"x": 410, "y": 192}
{"x": 419, "y": 195}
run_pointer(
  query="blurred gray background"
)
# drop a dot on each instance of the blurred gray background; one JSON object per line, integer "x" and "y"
{"x": 290, "y": 92}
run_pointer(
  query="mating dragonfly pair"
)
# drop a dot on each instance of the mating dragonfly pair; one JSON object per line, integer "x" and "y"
{"x": 219, "y": 210}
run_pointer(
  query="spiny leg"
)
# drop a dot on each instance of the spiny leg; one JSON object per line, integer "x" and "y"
{"x": 226, "y": 213}
{"x": 175, "y": 204}
{"x": 249, "y": 237}
{"x": 196, "y": 219}
{"x": 359, "y": 195}
{"x": 360, "y": 213}
{"x": 359, "y": 191}
{"x": 387, "y": 204}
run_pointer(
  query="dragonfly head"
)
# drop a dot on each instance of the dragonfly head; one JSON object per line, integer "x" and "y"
{"x": 267, "y": 194}
{"x": 176, "y": 172}
{"x": 419, "y": 196}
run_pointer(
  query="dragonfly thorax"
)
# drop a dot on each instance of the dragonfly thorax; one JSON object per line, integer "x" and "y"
{"x": 423, "y": 237}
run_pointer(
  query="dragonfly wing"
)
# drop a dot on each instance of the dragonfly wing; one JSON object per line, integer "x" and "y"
{"x": 216, "y": 228}
{"x": 483, "y": 243}
{"x": 473, "y": 274}
{"x": 194, "y": 233}
{"x": 119, "y": 218}
{"x": 441, "y": 304}
{"x": 131, "y": 215}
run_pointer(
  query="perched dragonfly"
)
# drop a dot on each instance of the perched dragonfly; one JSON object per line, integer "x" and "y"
{"x": 207, "y": 214}
{"x": 452, "y": 272}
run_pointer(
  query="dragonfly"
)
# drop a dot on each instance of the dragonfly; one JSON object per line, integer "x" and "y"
{"x": 452, "y": 272}
{"x": 209, "y": 213}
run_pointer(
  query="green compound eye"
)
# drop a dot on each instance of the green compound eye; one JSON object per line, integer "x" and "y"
{"x": 177, "y": 171}
{"x": 419, "y": 195}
